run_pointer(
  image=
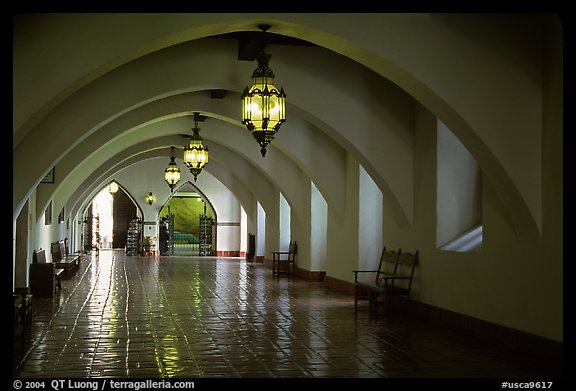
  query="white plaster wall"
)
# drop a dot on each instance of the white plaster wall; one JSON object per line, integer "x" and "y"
{"x": 243, "y": 230}
{"x": 369, "y": 222}
{"x": 261, "y": 232}
{"x": 497, "y": 284}
{"x": 343, "y": 246}
{"x": 284, "y": 224}
{"x": 300, "y": 226}
{"x": 228, "y": 237}
{"x": 318, "y": 230}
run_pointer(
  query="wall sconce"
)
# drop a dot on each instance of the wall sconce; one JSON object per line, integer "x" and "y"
{"x": 150, "y": 198}
{"x": 263, "y": 105}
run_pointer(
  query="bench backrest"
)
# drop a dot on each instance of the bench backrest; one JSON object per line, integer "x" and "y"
{"x": 63, "y": 251}
{"x": 388, "y": 257}
{"x": 292, "y": 249}
{"x": 55, "y": 252}
{"x": 398, "y": 263}
{"x": 408, "y": 262}
{"x": 39, "y": 256}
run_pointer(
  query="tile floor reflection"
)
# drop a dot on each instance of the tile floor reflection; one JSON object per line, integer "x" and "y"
{"x": 145, "y": 317}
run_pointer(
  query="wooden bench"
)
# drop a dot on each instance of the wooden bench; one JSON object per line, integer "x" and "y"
{"x": 44, "y": 277}
{"x": 392, "y": 278}
{"x": 58, "y": 275}
{"x": 69, "y": 263}
{"x": 283, "y": 261}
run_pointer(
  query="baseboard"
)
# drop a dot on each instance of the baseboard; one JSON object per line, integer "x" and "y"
{"x": 310, "y": 275}
{"x": 514, "y": 339}
{"x": 228, "y": 253}
{"x": 502, "y": 335}
{"x": 339, "y": 285}
{"x": 298, "y": 272}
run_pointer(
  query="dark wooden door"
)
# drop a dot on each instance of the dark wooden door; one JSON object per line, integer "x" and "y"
{"x": 123, "y": 211}
{"x": 87, "y": 230}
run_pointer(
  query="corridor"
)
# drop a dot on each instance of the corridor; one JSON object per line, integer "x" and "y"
{"x": 146, "y": 317}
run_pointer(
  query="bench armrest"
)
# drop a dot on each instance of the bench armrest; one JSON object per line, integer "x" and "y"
{"x": 277, "y": 255}
{"x": 362, "y": 271}
{"x": 394, "y": 277}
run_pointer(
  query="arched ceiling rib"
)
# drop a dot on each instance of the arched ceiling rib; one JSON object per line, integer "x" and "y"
{"x": 161, "y": 95}
{"x": 278, "y": 173}
{"x": 244, "y": 180}
{"x": 418, "y": 71}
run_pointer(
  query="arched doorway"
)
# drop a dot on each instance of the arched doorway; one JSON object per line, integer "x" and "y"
{"x": 107, "y": 219}
{"x": 187, "y": 223}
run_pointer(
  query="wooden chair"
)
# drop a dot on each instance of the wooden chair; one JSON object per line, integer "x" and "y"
{"x": 393, "y": 278}
{"x": 251, "y": 248}
{"x": 283, "y": 261}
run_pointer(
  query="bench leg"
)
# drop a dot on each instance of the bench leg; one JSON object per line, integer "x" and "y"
{"x": 58, "y": 283}
{"x": 373, "y": 302}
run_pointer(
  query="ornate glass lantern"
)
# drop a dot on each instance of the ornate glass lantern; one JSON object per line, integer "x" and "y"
{"x": 263, "y": 104}
{"x": 196, "y": 153}
{"x": 172, "y": 172}
{"x": 112, "y": 187}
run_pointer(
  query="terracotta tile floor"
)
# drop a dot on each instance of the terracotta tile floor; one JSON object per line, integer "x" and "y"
{"x": 123, "y": 316}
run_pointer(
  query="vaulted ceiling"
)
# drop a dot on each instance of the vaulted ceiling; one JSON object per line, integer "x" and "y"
{"x": 100, "y": 92}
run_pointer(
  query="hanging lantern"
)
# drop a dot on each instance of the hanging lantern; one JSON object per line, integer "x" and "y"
{"x": 172, "y": 172}
{"x": 263, "y": 104}
{"x": 112, "y": 187}
{"x": 196, "y": 153}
